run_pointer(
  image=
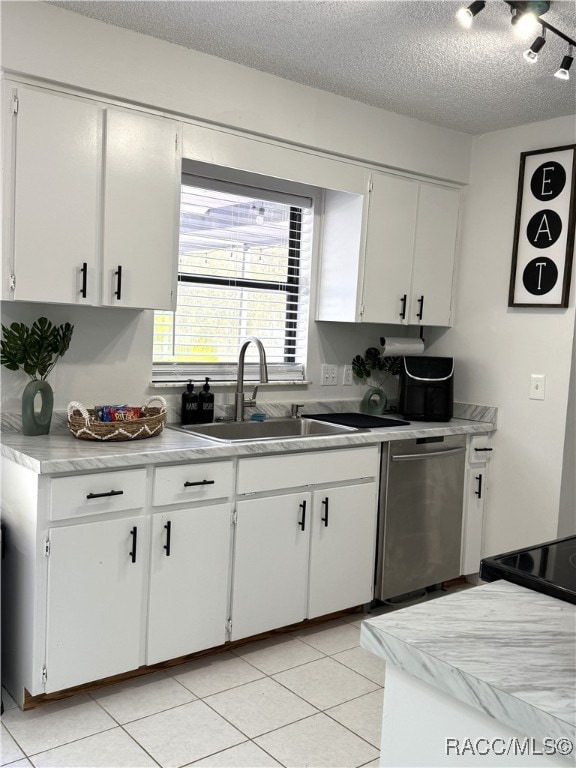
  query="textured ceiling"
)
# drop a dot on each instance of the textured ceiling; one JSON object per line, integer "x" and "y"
{"x": 406, "y": 56}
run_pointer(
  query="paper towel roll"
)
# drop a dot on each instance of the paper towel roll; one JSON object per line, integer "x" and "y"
{"x": 399, "y": 346}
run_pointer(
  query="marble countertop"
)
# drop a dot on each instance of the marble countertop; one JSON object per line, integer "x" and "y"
{"x": 60, "y": 452}
{"x": 505, "y": 650}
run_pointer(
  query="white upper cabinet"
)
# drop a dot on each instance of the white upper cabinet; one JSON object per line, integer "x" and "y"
{"x": 395, "y": 265}
{"x": 54, "y": 196}
{"x": 141, "y": 207}
{"x": 434, "y": 249}
{"x": 91, "y": 203}
{"x": 389, "y": 249}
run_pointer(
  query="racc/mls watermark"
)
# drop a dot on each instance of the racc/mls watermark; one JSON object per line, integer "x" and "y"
{"x": 512, "y": 746}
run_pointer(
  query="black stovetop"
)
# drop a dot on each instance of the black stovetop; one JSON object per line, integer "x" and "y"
{"x": 548, "y": 568}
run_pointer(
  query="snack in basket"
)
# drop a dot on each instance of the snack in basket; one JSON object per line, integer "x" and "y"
{"x": 110, "y": 413}
{"x": 117, "y": 422}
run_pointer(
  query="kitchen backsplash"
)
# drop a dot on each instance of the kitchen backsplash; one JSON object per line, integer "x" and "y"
{"x": 12, "y": 422}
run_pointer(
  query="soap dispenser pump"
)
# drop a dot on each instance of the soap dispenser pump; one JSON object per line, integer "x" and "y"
{"x": 189, "y": 413}
{"x": 206, "y": 404}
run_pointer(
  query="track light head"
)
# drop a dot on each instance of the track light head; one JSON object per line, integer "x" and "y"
{"x": 563, "y": 72}
{"x": 466, "y": 15}
{"x": 531, "y": 55}
{"x": 525, "y": 24}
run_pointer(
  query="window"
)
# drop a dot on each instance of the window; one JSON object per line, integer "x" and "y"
{"x": 244, "y": 258}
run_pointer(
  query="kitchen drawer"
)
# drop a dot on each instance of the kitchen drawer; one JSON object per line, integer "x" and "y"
{"x": 80, "y": 495}
{"x": 192, "y": 482}
{"x": 270, "y": 473}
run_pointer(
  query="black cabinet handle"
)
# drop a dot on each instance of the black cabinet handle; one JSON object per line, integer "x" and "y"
{"x": 102, "y": 495}
{"x": 302, "y": 522}
{"x": 134, "y": 534}
{"x": 478, "y": 491}
{"x": 483, "y": 450}
{"x": 84, "y": 270}
{"x": 168, "y": 528}
{"x": 421, "y": 310}
{"x": 118, "y": 291}
{"x": 403, "y": 306}
{"x": 325, "y": 518}
{"x": 188, "y": 484}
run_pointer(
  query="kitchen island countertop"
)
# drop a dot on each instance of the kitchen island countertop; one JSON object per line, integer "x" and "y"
{"x": 60, "y": 452}
{"x": 504, "y": 650}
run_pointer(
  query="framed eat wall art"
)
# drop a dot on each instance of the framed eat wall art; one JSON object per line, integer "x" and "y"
{"x": 544, "y": 229}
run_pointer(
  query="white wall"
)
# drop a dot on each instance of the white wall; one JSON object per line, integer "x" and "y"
{"x": 497, "y": 348}
{"x": 55, "y": 44}
{"x": 567, "y": 517}
{"x": 109, "y": 360}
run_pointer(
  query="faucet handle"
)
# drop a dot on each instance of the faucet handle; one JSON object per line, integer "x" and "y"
{"x": 294, "y": 408}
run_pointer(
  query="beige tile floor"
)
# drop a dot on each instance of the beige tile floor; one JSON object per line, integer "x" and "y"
{"x": 307, "y": 698}
{"x": 312, "y": 697}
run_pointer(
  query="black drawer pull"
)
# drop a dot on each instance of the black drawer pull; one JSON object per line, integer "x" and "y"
{"x": 168, "y": 528}
{"x": 403, "y": 309}
{"x": 302, "y": 522}
{"x": 118, "y": 291}
{"x": 421, "y": 310}
{"x": 483, "y": 450}
{"x": 478, "y": 491}
{"x": 325, "y": 518}
{"x": 188, "y": 484}
{"x": 84, "y": 270}
{"x": 102, "y": 495}
{"x": 134, "y": 534}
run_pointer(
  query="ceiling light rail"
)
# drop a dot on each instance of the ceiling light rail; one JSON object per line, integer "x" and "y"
{"x": 524, "y": 11}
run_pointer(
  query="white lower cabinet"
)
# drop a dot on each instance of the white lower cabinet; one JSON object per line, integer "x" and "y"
{"x": 189, "y": 579}
{"x": 342, "y": 548}
{"x": 94, "y": 600}
{"x": 475, "y": 489}
{"x": 114, "y": 570}
{"x": 309, "y": 551}
{"x": 270, "y": 563}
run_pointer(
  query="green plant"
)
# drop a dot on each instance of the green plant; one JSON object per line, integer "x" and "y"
{"x": 35, "y": 349}
{"x": 363, "y": 367}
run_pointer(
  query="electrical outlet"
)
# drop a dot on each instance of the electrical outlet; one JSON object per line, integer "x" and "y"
{"x": 347, "y": 375}
{"x": 537, "y": 386}
{"x": 329, "y": 375}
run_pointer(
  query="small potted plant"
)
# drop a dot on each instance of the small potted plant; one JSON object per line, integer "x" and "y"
{"x": 367, "y": 368}
{"x": 35, "y": 350}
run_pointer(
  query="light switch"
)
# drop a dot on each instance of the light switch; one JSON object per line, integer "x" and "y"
{"x": 537, "y": 386}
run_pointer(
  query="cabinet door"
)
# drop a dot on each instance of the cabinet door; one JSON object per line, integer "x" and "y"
{"x": 473, "y": 520}
{"x": 270, "y": 563}
{"x": 342, "y": 548}
{"x": 434, "y": 251}
{"x": 141, "y": 202}
{"x": 189, "y": 580}
{"x": 94, "y": 601}
{"x": 389, "y": 249}
{"x": 56, "y": 176}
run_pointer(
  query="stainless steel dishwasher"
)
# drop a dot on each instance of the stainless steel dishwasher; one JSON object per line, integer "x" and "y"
{"x": 420, "y": 515}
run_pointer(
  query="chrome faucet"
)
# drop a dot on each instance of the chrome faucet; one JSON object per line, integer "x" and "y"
{"x": 239, "y": 402}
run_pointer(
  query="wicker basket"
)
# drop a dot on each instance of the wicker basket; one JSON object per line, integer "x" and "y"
{"x": 83, "y": 425}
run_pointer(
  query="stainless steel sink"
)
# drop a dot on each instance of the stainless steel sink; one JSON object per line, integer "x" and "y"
{"x": 271, "y": 429}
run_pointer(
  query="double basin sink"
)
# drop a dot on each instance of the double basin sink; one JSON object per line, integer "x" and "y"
{"x": 270, "y": 429}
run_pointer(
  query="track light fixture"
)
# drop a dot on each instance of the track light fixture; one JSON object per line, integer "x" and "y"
{"x": 527, "y": 14}
{"x": 531, "y": 55}
{"x": 563, "y": 72}
{"x": 466, "y": 15}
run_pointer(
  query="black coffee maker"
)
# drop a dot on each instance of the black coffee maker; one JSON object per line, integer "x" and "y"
{"x": 427, "y": 388}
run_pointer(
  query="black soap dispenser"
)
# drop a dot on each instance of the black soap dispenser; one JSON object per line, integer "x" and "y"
{"x": 190, "y": 413}
{"x": 206, "y": 404}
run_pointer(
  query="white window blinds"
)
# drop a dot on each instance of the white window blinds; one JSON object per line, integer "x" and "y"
{"x": 244, "y": 263}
